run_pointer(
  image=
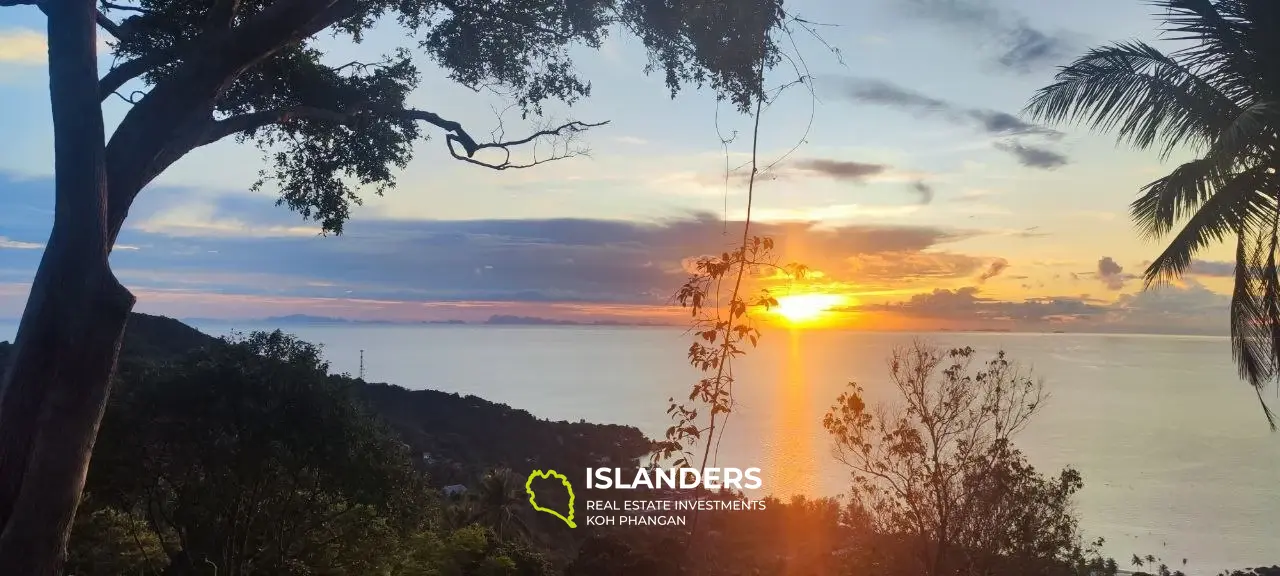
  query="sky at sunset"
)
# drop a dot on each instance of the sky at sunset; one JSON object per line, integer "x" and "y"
{"x": 918, "y": 196}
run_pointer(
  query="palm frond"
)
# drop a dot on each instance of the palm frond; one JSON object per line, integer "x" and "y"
{"x": 1251, "y": 136}
{"x": 1252, "y": 334}
{"x": 1271, "y": 303}
{"x": 1174, "y": 197}
{"x": 1219, "y": 96}
{"x": 1220, "y": 30}
{"x": 1141, "y": 94}
{"x": 1248, "y": 342}
{"x": 1240, "y": 201}
{"x": 1261, "y": 40}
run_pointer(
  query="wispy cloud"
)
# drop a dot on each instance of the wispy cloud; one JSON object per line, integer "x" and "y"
{"x": 1213, "y": 268}
{"x": 993, "y": 122}
{"x": 22, "y": 46}
{"x": 632, "y": 140}
{"x": 844, "y": 171}
{"x": 924, "y": 190}
{"x": 1033, "y": 156}
{"x": 1012, "y": 130}
{"x": 998, "y": 266}
{"x": 202, "y": 220}
{"x": 840, "y": 169}
{"x": 833, "y": 213}
{"x": 1017, "y": 45}
{"x": 18, "y": 245}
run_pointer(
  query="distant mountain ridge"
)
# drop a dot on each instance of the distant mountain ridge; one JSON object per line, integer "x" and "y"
{"x": 307, "y": 319}
{"x": 455, "y": 436}
{"x": 157, "y": 338}
{"x": 494, "y": 320}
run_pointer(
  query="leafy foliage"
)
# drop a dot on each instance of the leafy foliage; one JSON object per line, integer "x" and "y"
{"x": 1220, "y": 97}
{"x": 458, "y": 438}
{"x": 248, "y": 458}
{"x": 461, "y": 436}
{"x": 942, "y": 474}
{"x": 255, "y": 69}
{"x": 108, "y": 541}
{"x": 620, "y": 555}
{"x": 723, "y": 327}
{"x": 468, "y": 551}
{"x": 127, "y": 530}
{"x": 499, "y": 503}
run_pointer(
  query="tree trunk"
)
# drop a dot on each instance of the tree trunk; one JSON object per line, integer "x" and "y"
{"x": 74, "y": 372}
{"x": 55, "y": 387}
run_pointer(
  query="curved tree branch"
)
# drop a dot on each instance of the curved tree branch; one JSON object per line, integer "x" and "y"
{"x": 130, "y": 69}
{"x": 144, "y": 142}
{"x": 109, "y": 25}
{"x": 252, "y": 121}
{"x": 223, "y": 37}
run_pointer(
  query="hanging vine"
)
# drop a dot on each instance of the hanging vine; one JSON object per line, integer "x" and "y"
{"x": 722, "y": 324}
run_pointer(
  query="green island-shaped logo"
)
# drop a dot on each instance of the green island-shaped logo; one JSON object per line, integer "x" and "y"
{"x": 528, "y": 487}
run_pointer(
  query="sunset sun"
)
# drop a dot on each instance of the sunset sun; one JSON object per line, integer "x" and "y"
{"x": 805, "y": 308}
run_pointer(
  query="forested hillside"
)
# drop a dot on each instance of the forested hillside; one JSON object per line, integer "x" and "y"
{"x": 456, "y": 437}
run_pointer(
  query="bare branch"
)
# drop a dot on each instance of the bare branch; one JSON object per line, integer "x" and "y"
{"x": 19, "y": 3}
{"x": 132, "y": 98}
{"x": 456, "y": 137}
{"x": 359, "y": 67}
{"x": 114, "y": 6}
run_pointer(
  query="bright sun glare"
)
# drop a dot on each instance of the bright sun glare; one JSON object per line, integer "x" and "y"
{"x": 806, "y": 307}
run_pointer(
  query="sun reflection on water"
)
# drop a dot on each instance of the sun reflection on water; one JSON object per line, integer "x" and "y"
{"x": 792, "y": 459}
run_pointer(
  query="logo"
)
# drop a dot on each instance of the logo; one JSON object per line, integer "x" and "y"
{"x": 673, "y": 478}
{"x": 528, "y": 487}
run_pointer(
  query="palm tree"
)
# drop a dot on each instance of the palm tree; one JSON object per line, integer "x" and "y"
{"x": 1218, "y": 96}
{"x": 499, "y": 504}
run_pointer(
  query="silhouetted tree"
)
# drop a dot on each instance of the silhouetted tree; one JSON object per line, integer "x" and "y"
{"x": 1218, "y": 97}
{"x": 250, "y": 69}
{"x": 250, "y": 459}
{"x": 939, "y": 479}
{"x": 499, "y": 503}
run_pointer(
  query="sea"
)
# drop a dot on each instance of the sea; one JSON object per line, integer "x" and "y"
{"x": 1176, "y": 455}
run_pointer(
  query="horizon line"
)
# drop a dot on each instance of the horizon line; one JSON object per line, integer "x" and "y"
{"x": 606, "y": 323}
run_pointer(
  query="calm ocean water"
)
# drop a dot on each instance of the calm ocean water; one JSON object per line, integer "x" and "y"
{"x": 1176, "y": 456}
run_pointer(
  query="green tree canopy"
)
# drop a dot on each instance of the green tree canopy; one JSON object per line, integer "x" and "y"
{"x": 255, "y": 70}
{"x": 250, "y": 458}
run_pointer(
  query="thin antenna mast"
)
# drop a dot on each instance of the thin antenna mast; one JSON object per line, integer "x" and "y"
{"x": 362, "y": 364}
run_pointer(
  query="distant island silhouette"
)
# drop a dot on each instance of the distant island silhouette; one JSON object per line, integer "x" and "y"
{"x": 494, "y": 320}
